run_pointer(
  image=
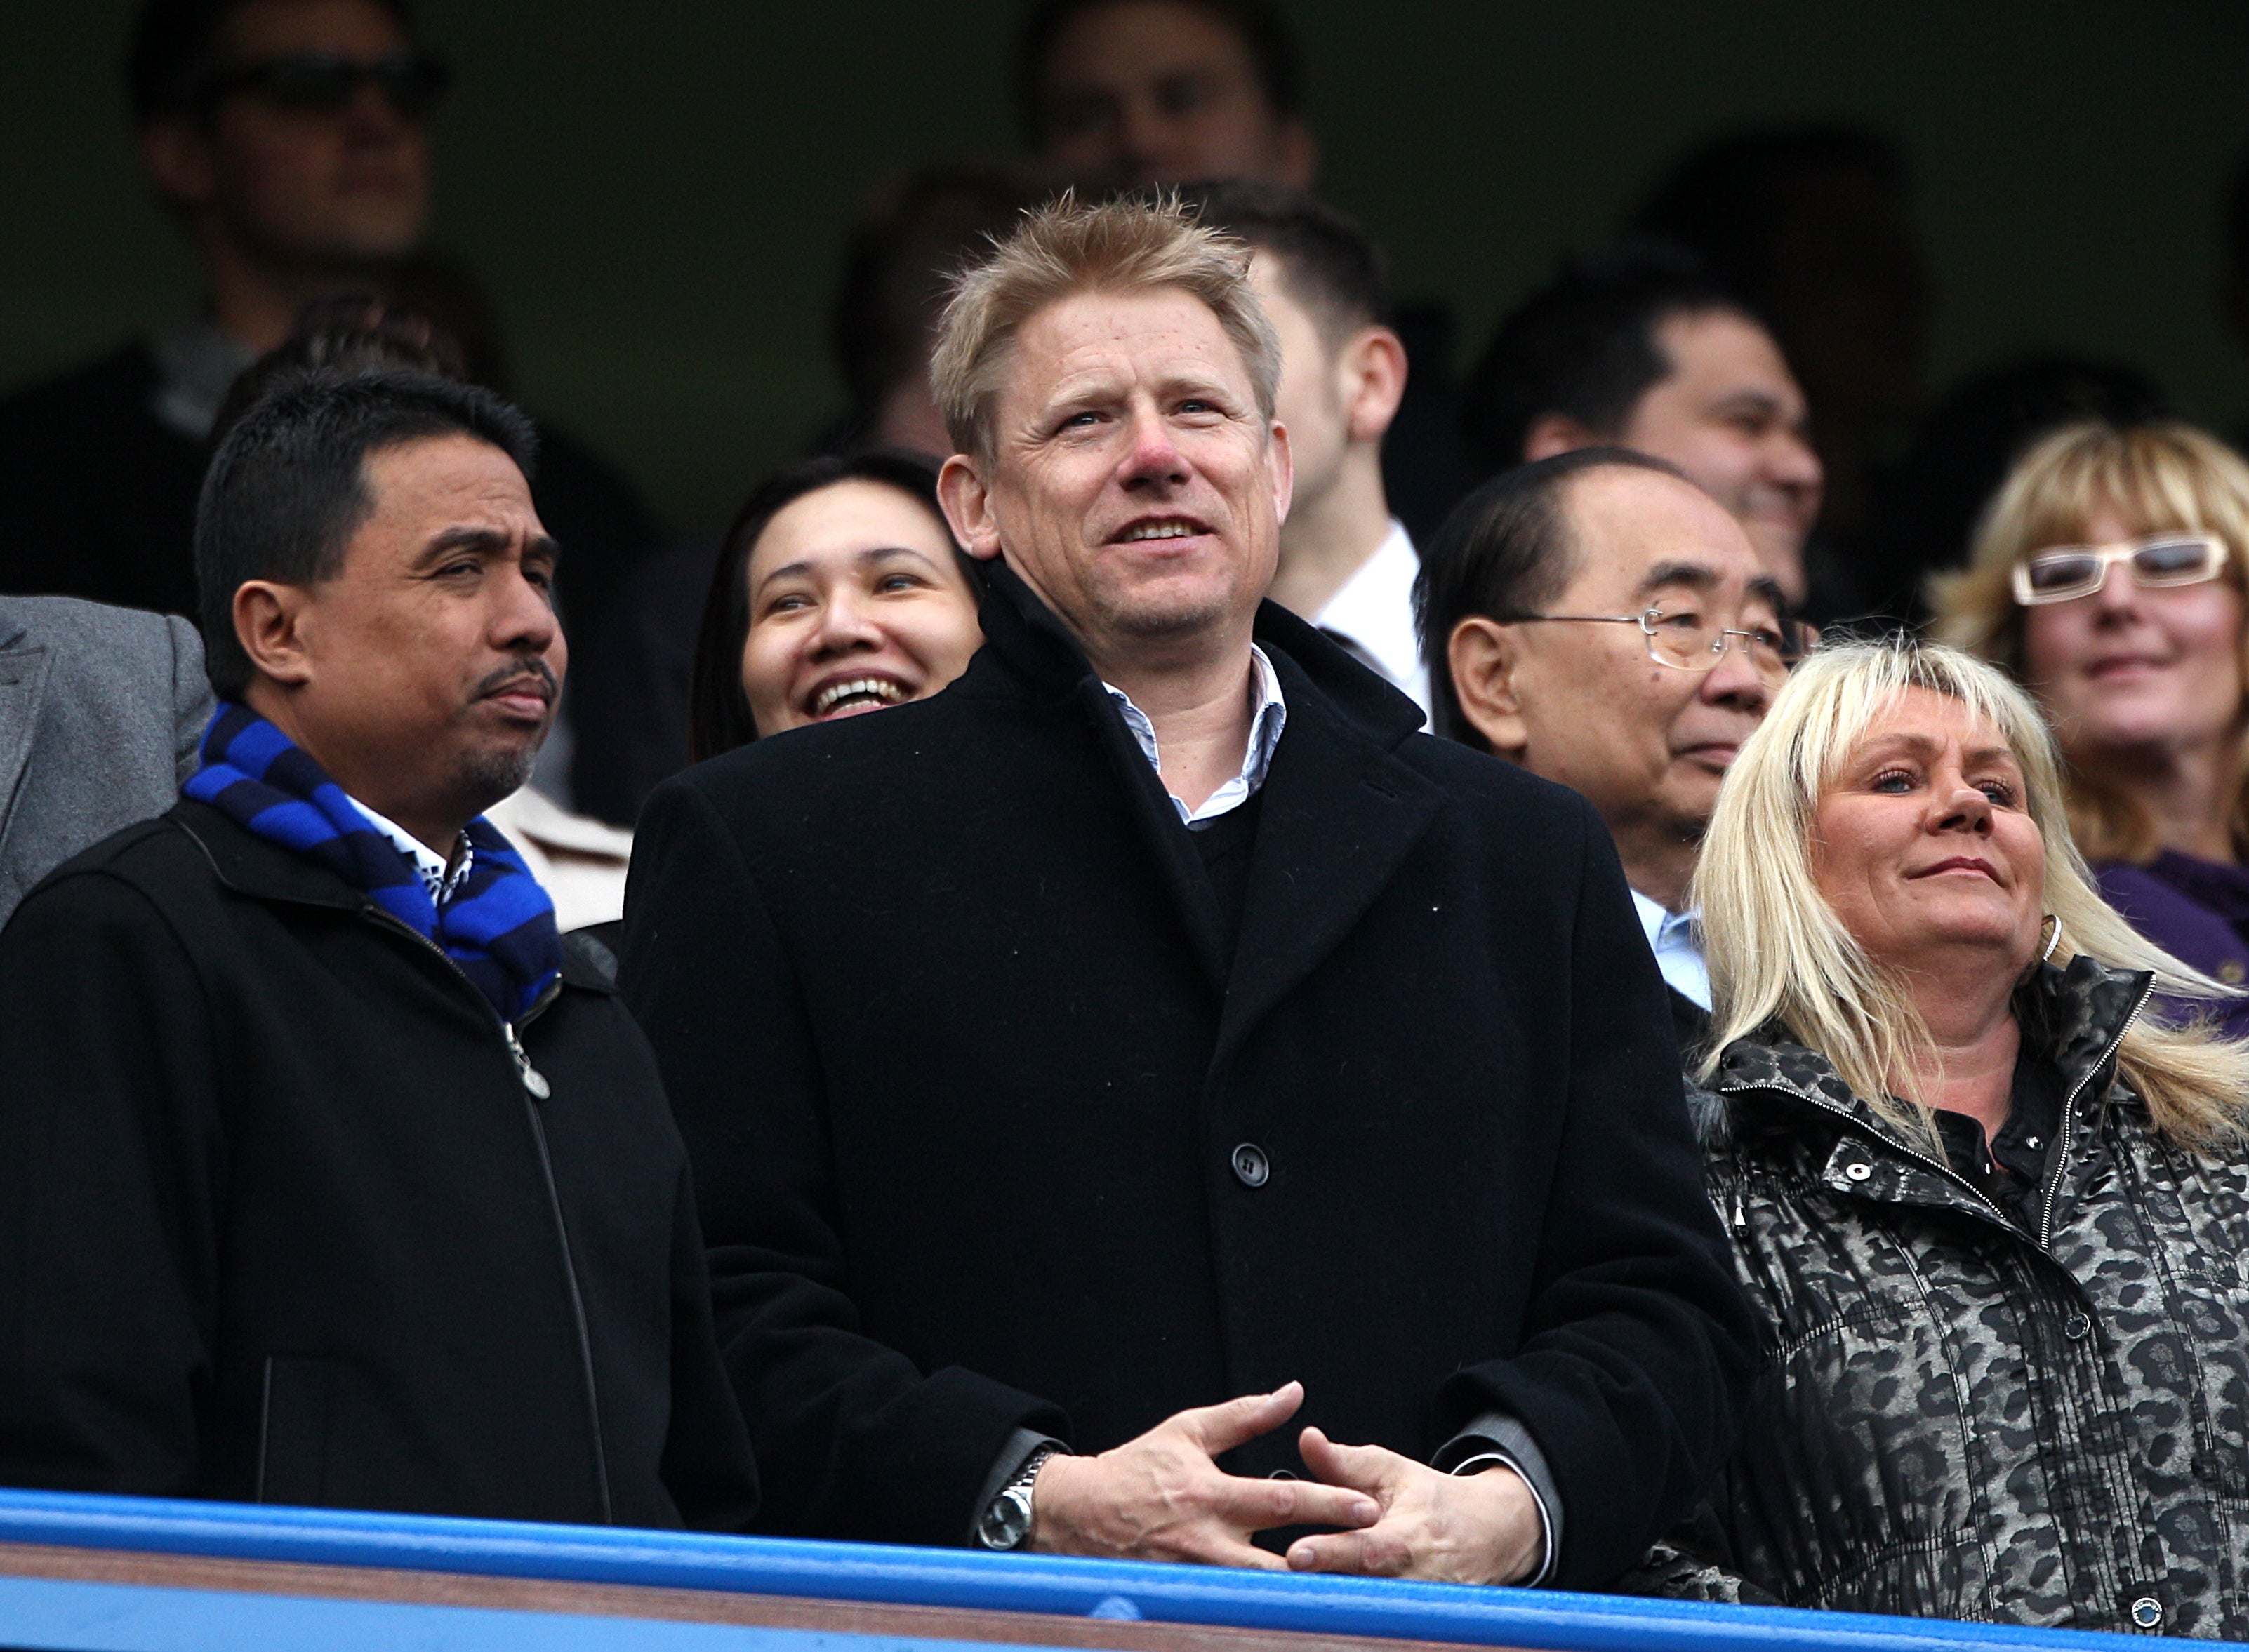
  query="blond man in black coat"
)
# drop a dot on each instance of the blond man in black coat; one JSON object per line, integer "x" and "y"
{"x": 1152, "y": 1038}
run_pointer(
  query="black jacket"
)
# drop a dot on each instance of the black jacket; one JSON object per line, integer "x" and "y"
{"x": 986, "y": 1135}
{"x": 280, "y": 1221}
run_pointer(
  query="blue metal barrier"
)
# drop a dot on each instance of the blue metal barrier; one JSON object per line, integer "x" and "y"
{"x": 871, "y": 1574}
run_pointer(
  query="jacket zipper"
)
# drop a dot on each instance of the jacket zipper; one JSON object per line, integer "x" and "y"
{"x": 2061, "y": 1159}
{"x": 2069, "y": 1116}
{"x": 535, "y": 1090}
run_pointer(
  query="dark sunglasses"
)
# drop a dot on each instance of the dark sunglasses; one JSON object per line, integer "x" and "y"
{"x": 326, "y": 82}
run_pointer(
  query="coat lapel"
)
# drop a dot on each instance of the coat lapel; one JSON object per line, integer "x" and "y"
{"x": 23, "y": 685}
{"x": 1340, "y": 815}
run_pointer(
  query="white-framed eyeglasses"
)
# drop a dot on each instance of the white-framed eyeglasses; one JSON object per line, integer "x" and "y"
{"x": 2064, "y": 572}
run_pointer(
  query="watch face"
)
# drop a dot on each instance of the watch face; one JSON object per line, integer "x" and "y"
{"x": 1006, "y": 1521}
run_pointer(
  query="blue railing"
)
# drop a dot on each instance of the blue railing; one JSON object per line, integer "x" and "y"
{"x": 32, "y": 1608}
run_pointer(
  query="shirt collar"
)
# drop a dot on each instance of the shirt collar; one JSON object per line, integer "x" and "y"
{"x": 1374, "y": 612}
{"x": 196, "y": 366}
{"x": 442, "y": 884}
{"x": 1678, "y": 949}
{"x": 1266, "y": 722}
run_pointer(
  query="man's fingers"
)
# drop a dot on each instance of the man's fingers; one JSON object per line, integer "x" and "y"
{"x": 1219, "y": 1429}
{"x": 1364, "y": 1468}
{"x": 1259, "y": 1505}
{"x": 1227, "y": 1552}
{"x": 1376, "y": 1553}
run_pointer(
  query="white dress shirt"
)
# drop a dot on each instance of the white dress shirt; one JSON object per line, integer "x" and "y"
{"x": 1678, "y": 949}
{"x": 1265, "y": 725}
{"x": 443, "y": 885}
{"x": 1374, "y": 613}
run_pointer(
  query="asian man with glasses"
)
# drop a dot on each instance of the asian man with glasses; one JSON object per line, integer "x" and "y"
{"x": 1600, "y": 620}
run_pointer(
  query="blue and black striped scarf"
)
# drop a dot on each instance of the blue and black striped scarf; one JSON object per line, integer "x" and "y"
{"x": 499, "y": 928}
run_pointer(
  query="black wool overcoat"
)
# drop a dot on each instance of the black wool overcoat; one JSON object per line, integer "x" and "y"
{"x": 281, "y": 1220}
{"x": 990, "y": 1131}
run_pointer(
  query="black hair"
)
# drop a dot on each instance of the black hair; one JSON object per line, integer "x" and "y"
{"x": 1273, "y": 57}
{"x": 1328, "y": 263}
{"x": 717, "y": 711}
{"x": 2237, "y": 218}
{"x": 346, "y": 333}
{"x": 1505, "y": 552}
{"x": 287, "y": 487}
{"x": 1584, "y": 345}
{"x": 175, "y": 47}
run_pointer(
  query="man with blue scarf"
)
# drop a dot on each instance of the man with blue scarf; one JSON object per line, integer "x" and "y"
{"x": 331, "y": 1173}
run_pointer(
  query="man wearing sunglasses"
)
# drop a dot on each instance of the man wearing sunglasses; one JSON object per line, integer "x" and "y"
{"x": 288, "y": 140}
{"x": 1602, "y": 620}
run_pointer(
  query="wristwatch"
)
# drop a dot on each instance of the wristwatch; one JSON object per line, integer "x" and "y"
{"x": 1007, "y": 1519}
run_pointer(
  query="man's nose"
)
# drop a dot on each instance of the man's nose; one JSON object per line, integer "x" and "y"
{"x": 1792, "y": 463}
{"x": 1738, "y": 680}
{"x": 1155, "y": 456}
{"x": 371, "y": 118}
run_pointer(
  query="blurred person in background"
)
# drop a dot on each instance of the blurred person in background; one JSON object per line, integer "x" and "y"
{"x": 1346, "y": 564}
{"x": 290, "y": 140}
{"x": 579, "y": 861}
{"x": 1988, "y": 1211}
{"x": 2109, "y": 577}
{"x": 898, "y": 264}
{"x": 1639, "y": 346}
{"x": 1136, "y": 92}
{"x": 839, "y": 590}
{"x": 1600, "y": 620}
{"x": 1930, "y": 501}
{"x": 1812, "y": 227}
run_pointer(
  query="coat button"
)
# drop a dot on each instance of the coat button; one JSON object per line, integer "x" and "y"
{"x": 1251, "y": 1166}
{"x": 2074, "y": 1327}
{"x": 2146, "y": 1611}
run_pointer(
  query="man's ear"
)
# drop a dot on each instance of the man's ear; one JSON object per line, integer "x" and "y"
{"x": 269, "y": 623}
{"x": 178, "y": 157}
{"x": 1374, "y": 368}
{"x": 968, "y": 502}
{"x": 1485, "y": 658}
{"x": 1284, "y": 470}
{"x": 1553, "y": 432}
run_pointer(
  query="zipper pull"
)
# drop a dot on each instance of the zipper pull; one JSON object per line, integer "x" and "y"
{"x": 534, "y": 1079}
{"x": 1741, "y": 1217}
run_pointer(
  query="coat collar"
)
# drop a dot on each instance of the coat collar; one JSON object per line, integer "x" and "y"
{"x": 1338, "y": 811}
{"x": 262, "y": 870}
{"x": 2075, "y": 1015}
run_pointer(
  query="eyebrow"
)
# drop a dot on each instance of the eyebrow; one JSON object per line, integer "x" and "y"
{"x": 1921, "y": 746}
{"x": 860, "y": 559}
{"x": 1693, "y": 575}
{"x": 483, "y": 542}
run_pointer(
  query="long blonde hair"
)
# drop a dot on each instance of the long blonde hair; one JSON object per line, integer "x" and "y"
{"x": 1777, "y": 952}
{"x": 2159, "y": 478}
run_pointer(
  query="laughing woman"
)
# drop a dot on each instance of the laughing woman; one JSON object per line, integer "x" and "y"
{"x": 1993, "y": 1213}
{"x": 839, "y": 590}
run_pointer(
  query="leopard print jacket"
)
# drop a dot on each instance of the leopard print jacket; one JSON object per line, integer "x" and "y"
{"x": 1961, "y": 1418}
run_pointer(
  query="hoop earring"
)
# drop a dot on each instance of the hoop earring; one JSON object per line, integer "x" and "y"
{"x": 2050, "y": 930}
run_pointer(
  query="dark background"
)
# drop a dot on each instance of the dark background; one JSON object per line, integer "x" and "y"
{"x": 656, "y": 192}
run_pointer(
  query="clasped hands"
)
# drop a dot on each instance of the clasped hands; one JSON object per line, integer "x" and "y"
{"x": 1162, "y": 1497}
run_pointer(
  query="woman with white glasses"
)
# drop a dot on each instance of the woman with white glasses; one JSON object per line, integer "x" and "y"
{"x": 2109, "y": 576}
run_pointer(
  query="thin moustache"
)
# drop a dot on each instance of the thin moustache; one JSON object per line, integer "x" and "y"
{"x": 509, "y": 679}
